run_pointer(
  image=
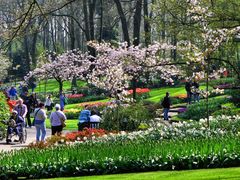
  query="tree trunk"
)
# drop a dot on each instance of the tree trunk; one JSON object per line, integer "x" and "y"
{"x": 60, "y": 83}
{"x": 33, "y": 49}
{"x": 123, "y": 21}
{"x": 91, "y": 10}
{"x": 137, "y": 23}
{"x": 101, "y": 22}
{"x": 147, "y": 26}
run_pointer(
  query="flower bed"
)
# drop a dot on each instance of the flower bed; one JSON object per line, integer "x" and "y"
{"x": 181, "y": 146}
{"x": 139, "y": 90}
{"x": 74, "y": 96}
{"x": 181, "y": 96}
{"x": 95, "y": 104}
{"x": 86, "y": 134}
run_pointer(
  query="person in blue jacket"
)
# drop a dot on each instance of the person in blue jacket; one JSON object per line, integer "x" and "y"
{"x": 84, "y": 119}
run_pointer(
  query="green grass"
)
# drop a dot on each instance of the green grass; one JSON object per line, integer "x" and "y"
{"x": 157, "y": 94}
{"x": 208, "y": 174}
{"x": 71, "y": 124}
{"x": 52, "y": 85}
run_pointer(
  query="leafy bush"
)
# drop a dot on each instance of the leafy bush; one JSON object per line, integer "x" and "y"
{"x": 72, "y": 113}
{"x": 4, "y": 109}
{"x": 86, "y": 99}
{"x": 4, "y": 113}
{"x": 199, "y": 110}
{"x": 235, "y": 93}
{"x": 126, "y": 117}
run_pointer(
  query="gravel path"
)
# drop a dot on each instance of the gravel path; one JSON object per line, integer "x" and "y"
{"x": 31, "y": 137}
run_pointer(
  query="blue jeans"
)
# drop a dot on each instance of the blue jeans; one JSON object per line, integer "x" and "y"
{"x": 41, "y": 131}
{"x": 165, "y": 113}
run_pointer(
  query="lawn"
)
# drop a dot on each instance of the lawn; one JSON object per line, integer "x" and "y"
{"x": 52, "y": 85}
{"x": 71, "y": 124}
{"x": 157, "y": 94}
{"x": 208, "y": 174}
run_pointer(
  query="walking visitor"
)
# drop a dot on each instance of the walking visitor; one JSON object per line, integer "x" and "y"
{"x": 196, "y": 93}
{"x": 57, "y": 120}
{"x": 188, "y": 86}
{"x": 49, "y": 103}
{"x": 166, "y": 103}
{"x": 12, "y": 93}
{"x": 63, "y": 100}
{"x": 39, "y": 122}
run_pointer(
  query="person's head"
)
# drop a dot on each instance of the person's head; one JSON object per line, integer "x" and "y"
{"x": 86, "y": 107}
{"x": 20, "y": 102}
{"x": 57, "y": 107}
{"x": 49, "y": 96}
{"x": 41, "y": 105}
{"x": 167, "y": 94}
{"x": 14, "y": 113}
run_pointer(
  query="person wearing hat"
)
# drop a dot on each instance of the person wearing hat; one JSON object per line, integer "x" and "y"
{"x": 57, "y": 119}
{"x": 16, "y": 127}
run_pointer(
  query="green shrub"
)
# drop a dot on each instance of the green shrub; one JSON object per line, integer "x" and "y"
{"x": 235, "y": 93}
{"x": 125, "y": 117}
{"x": 4, "y": 113}
{"x": 197, "y": 111}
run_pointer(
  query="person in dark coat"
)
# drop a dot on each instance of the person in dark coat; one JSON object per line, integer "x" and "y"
{"x": 166, "y": 103}
{"x": 188, "y": 87}
{"x": 196, "y": 91}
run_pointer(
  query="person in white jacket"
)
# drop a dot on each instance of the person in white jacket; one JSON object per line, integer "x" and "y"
{"x": 49, "y": 103}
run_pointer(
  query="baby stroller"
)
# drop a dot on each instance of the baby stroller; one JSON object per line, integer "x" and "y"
{"x": 15, "y": 130}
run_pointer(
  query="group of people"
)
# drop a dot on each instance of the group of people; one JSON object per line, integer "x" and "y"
{"x": 29, "y": 104}
{"x": 192, "y": 89}
{"x": 88, "y": 119}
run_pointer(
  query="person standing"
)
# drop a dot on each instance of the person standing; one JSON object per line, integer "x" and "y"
{"x": 57, "y": 120}
{"x": 84, "y": 118}
{"x": 13, "y": 93}
{"x": 49, "y": 103}
{"x": 166, "y": 103}
{"x": 188, "y": 87}
{"x": 62, "y": 100}
{"x": 27, "y": 102}
{"x": 21, "y": 109}
{"x": 40, "y": 117}
{"x": 196, "y": 91}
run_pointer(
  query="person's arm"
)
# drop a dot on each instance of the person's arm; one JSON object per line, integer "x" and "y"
{"x": 25, "y": 111}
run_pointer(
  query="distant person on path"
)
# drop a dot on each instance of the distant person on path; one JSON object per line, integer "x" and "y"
{"x": 57, "y": 118}
{"x": 196, "y": 93}
{"x": 13, "y": 93}
{"x": 40, "y": 117}
{"x": 27, "y": 102}
{"x": 188, "y": 87}
{"x": 63, "y": 100}
{"x": 166, "y": 103}
{"x": 84, "y": 118}
{"x": 49, "y": 103}
{"x": 21, "y": 109}
{"x": 33, "y": 101}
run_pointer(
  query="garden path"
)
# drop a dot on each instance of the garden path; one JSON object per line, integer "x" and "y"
{"x": 31, "y": 136}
